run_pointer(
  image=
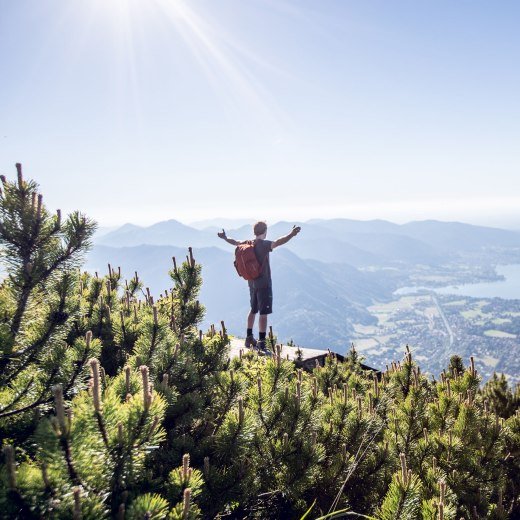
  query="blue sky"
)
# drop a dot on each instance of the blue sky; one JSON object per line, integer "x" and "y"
{"x": 144, "y": 110}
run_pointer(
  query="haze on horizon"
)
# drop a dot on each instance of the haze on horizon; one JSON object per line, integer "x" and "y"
{"x": 147, "y": 110}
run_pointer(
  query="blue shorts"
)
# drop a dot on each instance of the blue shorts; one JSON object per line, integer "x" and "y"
{"x": 261, "y": 300}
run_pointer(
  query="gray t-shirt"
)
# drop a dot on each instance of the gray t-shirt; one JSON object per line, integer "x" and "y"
{"x": 262, "y": 250}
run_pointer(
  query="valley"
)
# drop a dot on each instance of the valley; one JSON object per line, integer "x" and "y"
{"x": 342, "y": 281}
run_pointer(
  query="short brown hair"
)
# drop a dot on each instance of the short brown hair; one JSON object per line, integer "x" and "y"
{"x": 259, "y": 228}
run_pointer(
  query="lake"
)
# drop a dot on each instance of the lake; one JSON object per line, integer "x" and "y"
{"x": 507, "y": 289}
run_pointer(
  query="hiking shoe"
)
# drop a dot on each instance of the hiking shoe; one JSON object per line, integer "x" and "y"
{"x": 262, "y": 349}
{"x": 250, "y": 342}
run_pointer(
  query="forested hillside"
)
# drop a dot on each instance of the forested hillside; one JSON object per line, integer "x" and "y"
{"x": 114, "y": 404}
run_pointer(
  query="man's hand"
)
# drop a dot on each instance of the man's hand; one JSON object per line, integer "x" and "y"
{"x": 295, "y": 230}
{"x": 232, "y": 241}
{"x": 283, "y": 240}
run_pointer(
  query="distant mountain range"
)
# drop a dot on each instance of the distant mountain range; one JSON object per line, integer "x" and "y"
{"x": 166, "y": 233}
{"x": 357, "y": 243}
{"x": 324, "y": 279}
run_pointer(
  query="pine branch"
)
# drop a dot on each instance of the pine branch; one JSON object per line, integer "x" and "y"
{"x": 39, "y": 401}
{"x": 18, "y": 397}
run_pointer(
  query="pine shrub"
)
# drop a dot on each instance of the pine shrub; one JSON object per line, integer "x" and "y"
{"x": 114, "y": 404}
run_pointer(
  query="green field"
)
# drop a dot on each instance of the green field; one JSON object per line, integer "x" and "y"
{"x": 499, "y": 334}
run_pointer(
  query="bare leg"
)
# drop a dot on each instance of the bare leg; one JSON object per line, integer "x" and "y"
{"x": 251, "y": 320}
{"x": 250, "y": 341}
{"x": 262, "y": 323}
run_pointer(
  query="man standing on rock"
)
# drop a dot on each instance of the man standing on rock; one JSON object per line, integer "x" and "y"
{"x": 260, "y": 288}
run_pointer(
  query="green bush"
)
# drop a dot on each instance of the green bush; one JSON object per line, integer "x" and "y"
{"x": 114, "y": 405}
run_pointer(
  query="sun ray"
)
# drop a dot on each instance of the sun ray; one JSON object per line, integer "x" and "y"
{"x": 232, "y": 70}
{"x": 220, "y": 58}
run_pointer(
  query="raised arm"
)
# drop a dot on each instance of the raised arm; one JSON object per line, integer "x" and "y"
{"x": 232, "y": 241}
{"x": 283, "y": 240}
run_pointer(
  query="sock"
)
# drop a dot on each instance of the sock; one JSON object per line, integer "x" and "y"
{"x": 249, "y": 332}
{"x": 262, "y": 336}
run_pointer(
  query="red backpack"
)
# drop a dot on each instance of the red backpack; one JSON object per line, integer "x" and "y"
{"x": 246, "y": 263}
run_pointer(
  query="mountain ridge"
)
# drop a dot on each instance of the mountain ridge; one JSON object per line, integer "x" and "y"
{"x": 360, "y": 243}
